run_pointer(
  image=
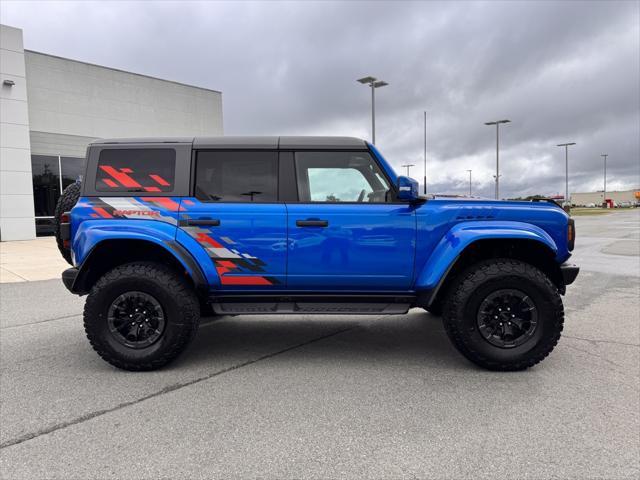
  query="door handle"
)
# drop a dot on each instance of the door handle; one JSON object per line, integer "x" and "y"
{"x": 312, "y": 223}
{"x": 205, "y": 222}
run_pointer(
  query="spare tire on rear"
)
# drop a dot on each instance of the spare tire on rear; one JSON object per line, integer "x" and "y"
{"x": 66, "y": 202}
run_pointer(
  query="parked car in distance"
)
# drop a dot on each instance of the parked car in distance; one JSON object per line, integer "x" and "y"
{"x": 164, "y": 230}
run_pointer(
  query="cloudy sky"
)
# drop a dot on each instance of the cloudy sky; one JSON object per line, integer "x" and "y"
{"x": 561, "y": 71}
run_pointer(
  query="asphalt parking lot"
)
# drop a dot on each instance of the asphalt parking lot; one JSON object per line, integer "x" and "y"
{"x": 331, "y": 397}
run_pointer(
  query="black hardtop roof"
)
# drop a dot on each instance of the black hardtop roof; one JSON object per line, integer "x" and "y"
{"x": 244, "y": 142}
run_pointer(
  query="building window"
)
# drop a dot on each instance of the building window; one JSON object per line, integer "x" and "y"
{"x": 46, "y": 184}
{"x": 72, "y": 170}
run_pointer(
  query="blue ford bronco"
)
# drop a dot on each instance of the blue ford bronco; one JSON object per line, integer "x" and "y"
{"x": 163, "y": 230}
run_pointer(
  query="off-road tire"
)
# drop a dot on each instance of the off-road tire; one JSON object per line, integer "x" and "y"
{"x": 66, "y": 202}
{"x": 178, "y": 301}
{"x": 463, "y": 299}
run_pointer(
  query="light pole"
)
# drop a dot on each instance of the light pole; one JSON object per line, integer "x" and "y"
{"x": 374, "y": 83}
{"x": 497, "y": 124}
{"x": 604, "y": 193}
{"x": 425, "y": 153}
{"x": 469, "y": 181}
{"x": 408, "y": 167}
{"x": 566, "y": 162}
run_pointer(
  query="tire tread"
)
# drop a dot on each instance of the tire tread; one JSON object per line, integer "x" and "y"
{"x": 181, "y": 292}
{"x": 469, "y": 280}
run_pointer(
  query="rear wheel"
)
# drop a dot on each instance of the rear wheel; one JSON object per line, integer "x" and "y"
{"x": 503, "y": 314}
{"x": 141, "y": 316}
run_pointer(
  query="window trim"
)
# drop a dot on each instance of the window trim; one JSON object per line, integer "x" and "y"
{"x": 287, "y": 183}
{"x": 194, "y": 169}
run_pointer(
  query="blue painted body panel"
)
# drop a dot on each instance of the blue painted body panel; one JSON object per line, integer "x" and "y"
{"x": 462, "y": 235}
{"x": 200, "y": 256}
{"x": 251, "y": 236}
{"x": 96, "y": 219}
{"x": 446, "y": 226}
{"x": 364, "y": 247}
{"x": 90, "y": 233}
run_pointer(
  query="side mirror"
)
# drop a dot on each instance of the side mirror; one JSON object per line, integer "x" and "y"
{"x": 407, "y": 189}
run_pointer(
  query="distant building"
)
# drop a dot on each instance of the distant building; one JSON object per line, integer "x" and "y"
{"x": 52, "y": 107}
{"x": 597, "y": 198}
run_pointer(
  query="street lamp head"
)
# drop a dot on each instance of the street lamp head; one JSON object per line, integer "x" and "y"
{"x": 497, "y": 122}
{"x": 366, "y": 80}
{"x": 374, "y": 83}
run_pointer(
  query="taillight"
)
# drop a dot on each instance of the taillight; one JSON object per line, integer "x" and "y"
{"x": 64, "y": 228}
{"x": 571, "y": 234}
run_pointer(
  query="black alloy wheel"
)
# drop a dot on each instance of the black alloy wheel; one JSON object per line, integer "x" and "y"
{"x": 136, "y": 319}
{"x": 507, "y": 318}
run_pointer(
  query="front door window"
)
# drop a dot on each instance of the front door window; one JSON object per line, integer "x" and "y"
{"x": 340, "y": 177}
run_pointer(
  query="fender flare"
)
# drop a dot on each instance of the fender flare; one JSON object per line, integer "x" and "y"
{"x": 433, "y": 273}
{"x": 165, "y": 242}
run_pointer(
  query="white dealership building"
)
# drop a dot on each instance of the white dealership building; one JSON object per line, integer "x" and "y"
{"x": 52, "y": 107}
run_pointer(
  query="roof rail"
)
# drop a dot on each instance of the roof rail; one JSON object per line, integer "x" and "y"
{"x": 549, "y": 200}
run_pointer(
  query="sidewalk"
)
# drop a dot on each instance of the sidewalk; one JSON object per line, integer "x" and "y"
{"x": 29, "y": 260}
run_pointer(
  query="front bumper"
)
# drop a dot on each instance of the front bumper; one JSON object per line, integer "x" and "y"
{"x": 569, "y": 272}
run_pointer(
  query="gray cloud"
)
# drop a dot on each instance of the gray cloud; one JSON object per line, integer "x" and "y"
{"x": 561, "y": 71}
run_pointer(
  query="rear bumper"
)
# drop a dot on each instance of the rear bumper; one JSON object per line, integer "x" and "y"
{"x": 569, "y": 272}
{"x": 69, "y": 278}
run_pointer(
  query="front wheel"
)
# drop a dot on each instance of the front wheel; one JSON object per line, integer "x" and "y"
{"x": 141, "y": 316}
{"x": 504, "y": 314}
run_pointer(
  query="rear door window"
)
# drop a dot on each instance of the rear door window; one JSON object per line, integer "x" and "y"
{"x": 237, "y": 176}
{"x": 136, "y": 170}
